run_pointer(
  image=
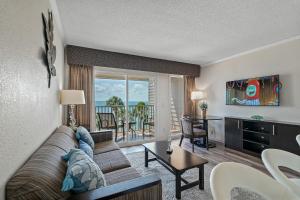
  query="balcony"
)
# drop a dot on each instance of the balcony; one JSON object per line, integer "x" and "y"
{"x": 134, "y": 124}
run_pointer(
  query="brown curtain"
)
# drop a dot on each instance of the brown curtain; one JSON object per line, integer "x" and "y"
{"x": 82, "y": 78}
{"x": 189, "y": 86}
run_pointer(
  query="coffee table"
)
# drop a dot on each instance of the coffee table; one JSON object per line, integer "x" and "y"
{"x": 177, "y": 163}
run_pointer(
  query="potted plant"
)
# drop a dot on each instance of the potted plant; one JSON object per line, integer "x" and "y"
{"x": 203, "y": 107}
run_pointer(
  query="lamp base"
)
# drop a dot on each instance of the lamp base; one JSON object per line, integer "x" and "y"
{"x": 195, "y": 103}
{"x": 204, "y": 113}
{"x": 169, "y": 150}
{"x": 72, "y": 122}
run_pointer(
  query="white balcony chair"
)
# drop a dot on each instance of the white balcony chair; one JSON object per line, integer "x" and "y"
{"x": 229, "y": 175}
{"x": 298, "y": 139}
{"x": 274, "y": 158}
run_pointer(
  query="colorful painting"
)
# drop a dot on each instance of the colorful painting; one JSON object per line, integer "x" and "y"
{"x": 262, "y": 91}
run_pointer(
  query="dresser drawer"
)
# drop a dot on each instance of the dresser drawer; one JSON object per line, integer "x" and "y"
{"x": 262, "y": 127}
{"x": 257, "y": 137}
{"x": 254, "y": 147}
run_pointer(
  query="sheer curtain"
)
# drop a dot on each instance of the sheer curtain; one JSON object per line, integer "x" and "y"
{"x": 81, "y": 77}
{"x": 189, "y": 86}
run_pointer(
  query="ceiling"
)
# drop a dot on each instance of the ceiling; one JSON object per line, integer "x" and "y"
{"x": 192, "y": 31}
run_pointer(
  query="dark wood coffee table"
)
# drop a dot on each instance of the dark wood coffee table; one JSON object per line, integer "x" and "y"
{"x": 177, "y": 163}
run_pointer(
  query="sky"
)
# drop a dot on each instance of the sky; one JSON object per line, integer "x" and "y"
{"x": 106, "y": 88}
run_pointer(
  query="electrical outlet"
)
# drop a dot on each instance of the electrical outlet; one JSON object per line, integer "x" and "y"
{"x": 212, "y": 131}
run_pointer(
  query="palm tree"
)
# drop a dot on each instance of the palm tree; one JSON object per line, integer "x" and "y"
{"x": 140, "y": 111}
{"x": 117, "y": 106}
{"x": 114, "y": 101}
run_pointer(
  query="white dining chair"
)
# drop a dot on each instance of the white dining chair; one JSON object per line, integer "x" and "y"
{"x": 229, "y": 175}
{"x": 274, "y": 158}
{"x": 298, "y": 139}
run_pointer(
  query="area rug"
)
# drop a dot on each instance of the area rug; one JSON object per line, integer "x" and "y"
{"x": 168, "y": 181}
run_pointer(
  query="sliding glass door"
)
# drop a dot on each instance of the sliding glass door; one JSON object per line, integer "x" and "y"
{"x": 176, "y": 102}
{"x": 125, "y": 104}
{"x": 110, "y": 101}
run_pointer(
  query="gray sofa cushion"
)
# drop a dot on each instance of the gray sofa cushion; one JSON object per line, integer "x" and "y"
{"x": 62, "y": 141}
{"x": 66, "y": 130}
{"x": 69, "y": 132}
{"x": 111, "y": 161}
{"x": 121, "y": 175}
{"x": 106, "y": 146}
{"x": 41, "y": 177}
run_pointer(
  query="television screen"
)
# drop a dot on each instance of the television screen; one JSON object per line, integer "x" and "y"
{"x": 262, "y": 91}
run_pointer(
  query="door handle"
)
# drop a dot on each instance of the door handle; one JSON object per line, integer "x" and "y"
{"x": 238, "y": 124}
{"x": 273, "y": 129}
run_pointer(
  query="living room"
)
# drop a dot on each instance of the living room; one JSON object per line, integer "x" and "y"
{"x": 135, "y": 76}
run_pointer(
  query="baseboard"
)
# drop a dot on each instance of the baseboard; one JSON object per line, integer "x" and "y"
{"x": 135, "y": 143}
{"x": 219, "y": 141}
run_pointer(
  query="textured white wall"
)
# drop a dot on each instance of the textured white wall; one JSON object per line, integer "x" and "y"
{"x": 281, "y": 59}
{"x": 30, "y": 111}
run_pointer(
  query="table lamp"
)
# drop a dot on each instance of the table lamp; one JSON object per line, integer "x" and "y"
{"x": 195, "y": 97}
{"x": 72, "y": 98}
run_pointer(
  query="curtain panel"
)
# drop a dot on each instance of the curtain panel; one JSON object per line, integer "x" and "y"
{"x": 189, "y": 86}
{"x": 81, "y": 77}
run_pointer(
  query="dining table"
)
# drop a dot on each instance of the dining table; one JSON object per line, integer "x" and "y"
{"x": 202, "y": 122}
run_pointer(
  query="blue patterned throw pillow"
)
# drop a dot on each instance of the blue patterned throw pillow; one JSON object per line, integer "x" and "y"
{"x": 84, "y": 135}
{"x": 83, "y": 173}
{"x": 86, "y": 148}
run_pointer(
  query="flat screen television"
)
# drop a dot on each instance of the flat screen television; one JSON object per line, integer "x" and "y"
{"x": 261, "y": 91}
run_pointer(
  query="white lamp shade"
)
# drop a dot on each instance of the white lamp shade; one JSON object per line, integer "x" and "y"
{"x": 72, "y": 97}
{"x": 197, "y": 95}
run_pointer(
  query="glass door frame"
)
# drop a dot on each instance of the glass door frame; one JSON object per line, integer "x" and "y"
{"x": 127, "y": 74}
{"x": 177, "y": 134}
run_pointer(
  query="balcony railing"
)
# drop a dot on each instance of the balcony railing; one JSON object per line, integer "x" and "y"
{"x": 137, "y": 115}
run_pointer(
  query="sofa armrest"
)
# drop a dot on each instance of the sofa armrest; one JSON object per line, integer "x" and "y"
{"x": 102, "y": 136}
{"x": 142, "y": 188}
